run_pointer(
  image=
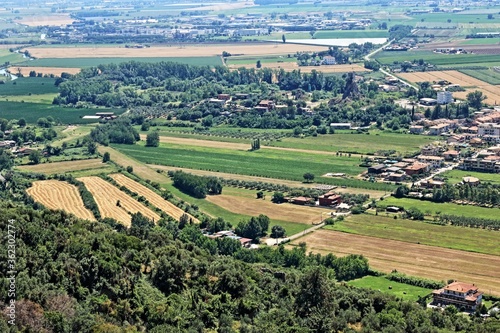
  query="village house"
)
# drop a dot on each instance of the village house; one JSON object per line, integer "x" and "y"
{"x": 416, "y": 129}
{"x": 433, "y": 161}
{"x": 451, "y": 155}
{"x": 269, "y": 105}
{"x": 464, "y": 296}
{"x": 329, "y": 199}
{"x": 416, "y": 169}
{"x": 439, "y": 129}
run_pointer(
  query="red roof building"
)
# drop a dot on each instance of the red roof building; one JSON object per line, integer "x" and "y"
{"x": 464, "y": 296}
{"x": 329, "y": 199}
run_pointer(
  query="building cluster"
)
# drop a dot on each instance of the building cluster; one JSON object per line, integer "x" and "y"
{"x": 245, "y": 242}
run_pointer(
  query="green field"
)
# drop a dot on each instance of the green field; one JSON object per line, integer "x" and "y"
{"x": 449, "y": 60}
{"x": 327, "y": 34}
{"x": 264, "y": 163}
{"x": 455, "y": 176}
{"x": 91, "y": 62}
{"x": 410, "y": 231}
{"x": 445, "y": 208}
{"x": 32, "y": 111}
{"x": 13, "y": 58}
{"x": 486, "y": 75}
{"x": 340, "y": 141}
{"x": 401, "y": 290}
{"x": 28, "y": 85}
{"x": 481, "y": 41}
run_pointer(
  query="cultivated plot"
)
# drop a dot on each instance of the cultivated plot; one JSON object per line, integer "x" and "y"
{"x": 412, "y": 259}
{"x": 55, "y": 194}
{"x": 63, "y": 167}
{"x": 155, "y": 199}
{"x": 114, "y": 203}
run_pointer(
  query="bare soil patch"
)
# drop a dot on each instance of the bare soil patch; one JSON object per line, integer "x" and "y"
{"x": 155, "y": 199}
{"x": 55, "y": 194}
{"x": 46, "y": 70}
{"x": 66, "y": 166}
{"x": 196, "y": 50}
{"x": 412, "y": 259}
{"x": 254, "y": 207}
{"x": 107, "y": 195}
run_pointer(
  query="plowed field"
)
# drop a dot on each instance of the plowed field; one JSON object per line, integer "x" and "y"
{"x": 155, "y": 199}
{"x": 413, "y": 259}
{"x": 55, "y": 194}
{"x": 106, "y": 196}
{"x": 492, "y": 92}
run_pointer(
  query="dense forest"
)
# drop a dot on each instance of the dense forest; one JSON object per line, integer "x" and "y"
{"x": 168, "y": 90}
{"x": 78, "y": 276}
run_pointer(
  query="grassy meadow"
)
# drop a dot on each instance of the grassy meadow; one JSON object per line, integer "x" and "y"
{"x": 444, "y": 60}
{"x": 455, "y": 176}
{"x": 401, "y": 290}
{"x": 453, "y": 237}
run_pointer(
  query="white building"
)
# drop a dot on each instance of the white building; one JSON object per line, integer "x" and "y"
{"x": 444, "y": 97}
{"x": 488, "y": 130}
{"x": 329, "y": 60}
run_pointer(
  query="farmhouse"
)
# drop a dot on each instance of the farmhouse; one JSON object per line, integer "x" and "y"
{"x": 329, "y": 199}
{"x": 269, "y": 105}
{"x": 225, "y": 97}
{"x": 464, "y": 296}
{"x": 328, "y": 60}
{"x": 300, "y": 200}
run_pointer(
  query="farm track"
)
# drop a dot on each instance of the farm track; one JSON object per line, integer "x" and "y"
{"x": 106, "y": 196}
{"x": 412, "y": 259}
{"x": 55, "y": 194}
{"x": 155, "y": 199}
{"x": 65, "y": 166}
{"x": 491, "y": 91}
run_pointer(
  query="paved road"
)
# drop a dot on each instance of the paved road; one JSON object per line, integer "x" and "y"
{"x": 368, "y": 57}
{"x": 438, "y": 171}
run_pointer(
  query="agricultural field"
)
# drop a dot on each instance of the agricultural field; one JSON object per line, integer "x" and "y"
{"x": 107, "y": 197}
{"x": 24, "y": 86}
{"x": 173, "y": 51}
{"x": 345, "y": 141}
{"x": 55, "y": 194}
{"x": 401, "y": 290}
{"x": 445, "y": 208}
{"x": 492, "y": 92}
{"x": 154, "y": 198}
{"x": 57, "y": 71}
{"x": 74, "y": 64}
{"x": 455, "y": 176}
{"x": 487, "y": 75}
{"x": 440, "y": 60}
{"x": 290, "y": 183}
{"x": 66, "y": 166}
{"x": 31, "y": 112}
{"x": 46, "y": 20}
{"x": 420, "y": 232}
{"x": 244, "y": 202}
{"x": 430, "y": 262}
{"x": 263, "y": 163}
{"x": 330, "y": 34}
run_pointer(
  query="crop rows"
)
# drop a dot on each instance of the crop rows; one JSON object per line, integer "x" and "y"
{"x": 55, "y": 194}
{"x": 107, "y": 197}
{"x": 154, "y": 198}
